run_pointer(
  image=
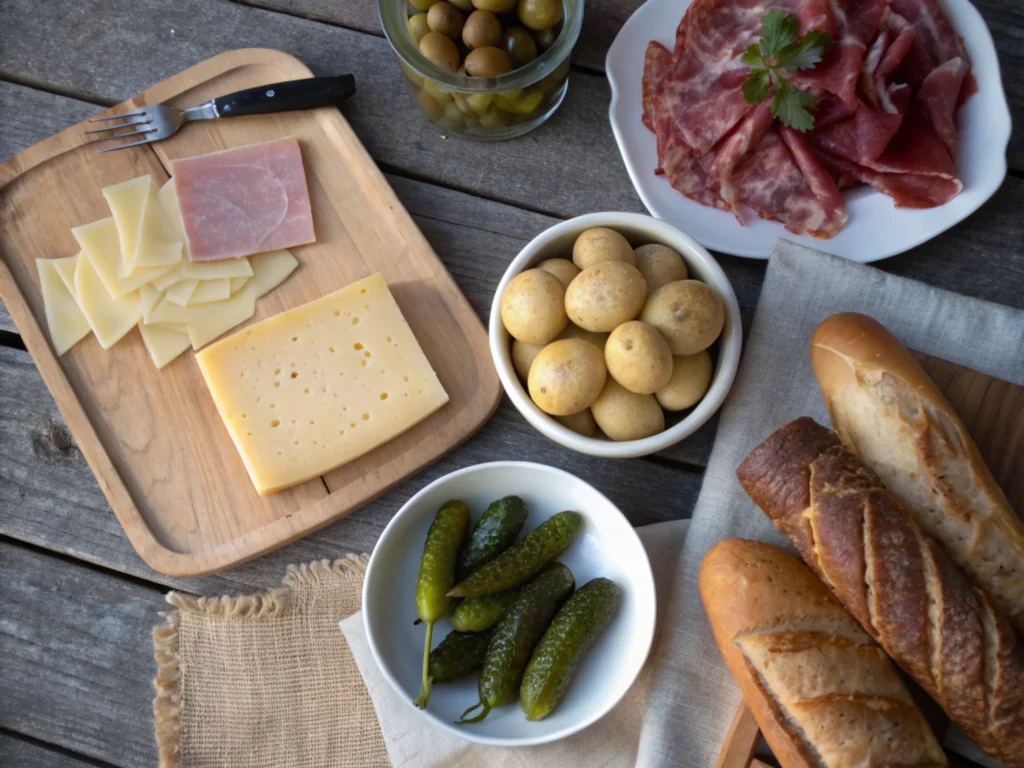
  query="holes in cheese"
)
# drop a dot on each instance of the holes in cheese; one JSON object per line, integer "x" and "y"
{"x": 64, "y": 317}
{"x": 284, "y": 454}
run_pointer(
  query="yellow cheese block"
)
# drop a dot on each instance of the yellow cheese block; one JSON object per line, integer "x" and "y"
{"x": 208, "y": 321}
{"x": 146, "y": 234}
{"x": 320, "y": 385}
{"x": 182, "y": 291}
{"x": 101, "y": 244}
{"x": 270, "y": 270}
{"x": 64, "y": 317}
{"x": 164, "y": 342}
{"x": 109, "y": 318}
{"x": 211, "y": 290}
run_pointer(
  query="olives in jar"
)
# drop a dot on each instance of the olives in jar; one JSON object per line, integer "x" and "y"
{"x": 545, "y": 38}
{"x": 540, "y": 14}
{"x": 488, "y": 62}
{"x": 440, "y": 50}
{"x": 520, "y": 45}
{"x": 445, "y": 19}
{"x": 423, "y": 5}
{"x": 482, "y": 30}
{"x": 418, "y": 27}
{"x": 495, "y": 6}
{"x": 466, "y": 6}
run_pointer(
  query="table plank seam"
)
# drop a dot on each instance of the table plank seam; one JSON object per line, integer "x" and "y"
{"x": 55, "y": 749}
{"x": 56, "y": 90}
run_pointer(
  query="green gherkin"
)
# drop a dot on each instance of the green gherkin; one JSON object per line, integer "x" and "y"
{"x": 493, "y": 533}
{"x": 458, "y": 655}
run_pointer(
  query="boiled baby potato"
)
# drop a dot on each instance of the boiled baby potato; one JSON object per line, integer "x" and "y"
{"x": 523, "y": 355}
{"x": 488, "y": 62}
{"x": 440, "y": 50}
{"x": 638, "y": 357}
{"x": 533, "y": 307}
{"x": 445, "y": 18}
{"x": 581, "y": 423}
{"x": 482, "y": 30}
{"x": 625, "y": 415}
{"x": 689, "y": 314}
{"x": 566, "y": 377}
{"x": 601, "y": 244}
{"x": 563, "y": 269}
{"x": 573, "y": 331}
{"x": 659, "y": 265}
{"x": 691, "y": 377}
{"x": 604, "y": 296}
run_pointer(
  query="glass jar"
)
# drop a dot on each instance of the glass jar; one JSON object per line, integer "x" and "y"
{"x": 492, "y": 108}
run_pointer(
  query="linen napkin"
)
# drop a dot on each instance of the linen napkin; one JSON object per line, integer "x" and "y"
{"x": 684, "y": 702}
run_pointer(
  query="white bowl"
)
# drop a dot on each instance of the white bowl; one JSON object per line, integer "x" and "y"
{"x": 606, "y": 546}
{"x": 875, "y": 229}
{"x": 638, "y": 229}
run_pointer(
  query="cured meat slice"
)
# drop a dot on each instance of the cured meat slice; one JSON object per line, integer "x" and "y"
{"x": 906, "y": 189}
{"x": 829, "y": 109}
{"x": 864, "y": 137}
{"x": 242, "y": 201}
{"x": 735, "y": 147}
{"x": 933, "y": 30}
{"x": 657, "y": 63}
{"x": 821, "y": 184}
{"x": 769, "y": 182}
{"x": 939, "y": 96}
{"x": 917, "y": 149}
{"x": 687, "y": 171}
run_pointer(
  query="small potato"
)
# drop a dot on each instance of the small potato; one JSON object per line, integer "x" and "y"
{"x": 567, "y": 377}
{"x": 575, "y": 332}
{"x": 563, "y": 269}
{"x": 689, "y": 314}
{"x": 625, "y": 415}
{"x": 601, "y": 244}
{"x": 533, "y": 307}
{"x": 659, "y": 265}
{"x": 605, "y": 296}
{"x": 523, "y": 355}
{"x": 582, "y": 423}
{"x": 638, "y": 357}
{"x": 691, "y": 376}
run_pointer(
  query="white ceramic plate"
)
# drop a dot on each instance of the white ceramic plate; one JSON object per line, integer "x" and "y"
{"x": 875, "y": 229}
{"x": 607, "y": 546}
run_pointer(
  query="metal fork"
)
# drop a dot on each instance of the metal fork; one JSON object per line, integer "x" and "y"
{"x": 160, "y": 121}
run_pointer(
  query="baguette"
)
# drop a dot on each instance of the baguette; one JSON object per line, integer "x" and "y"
{"x": 889, "y": 412}
{"x": 822, "y": 692}
{"x": 895, "y": 580}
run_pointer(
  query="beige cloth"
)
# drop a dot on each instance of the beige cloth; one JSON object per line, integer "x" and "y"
{"x": 266, "y": 680}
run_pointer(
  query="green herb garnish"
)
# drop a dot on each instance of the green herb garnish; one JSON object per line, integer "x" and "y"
{"x": 781, "y": 51}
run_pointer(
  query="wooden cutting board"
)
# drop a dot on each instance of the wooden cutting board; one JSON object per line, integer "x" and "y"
{"x": 993, "y": 412}
{"x": 153, "y": 438}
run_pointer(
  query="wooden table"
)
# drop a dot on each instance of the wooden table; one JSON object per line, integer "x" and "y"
{"x": 76, "y": 603}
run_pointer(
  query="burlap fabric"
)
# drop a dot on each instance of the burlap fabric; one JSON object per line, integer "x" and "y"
{"x": 266, "y": 680}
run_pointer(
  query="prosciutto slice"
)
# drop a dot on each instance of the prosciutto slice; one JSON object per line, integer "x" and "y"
{"x": 907, "y": 190}
{"x": 242, "y": 201}
{"x": 939, "y": 95}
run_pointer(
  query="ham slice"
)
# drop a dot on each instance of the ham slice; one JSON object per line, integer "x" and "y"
{"x": 939, "y": 96}
{"x": 906, "y": 189}
{"x": 734, "y": 148}
{"x": 657, "y": 64}
{"x": 242, "y": 201}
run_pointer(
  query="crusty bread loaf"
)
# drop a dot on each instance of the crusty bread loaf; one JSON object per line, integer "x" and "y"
{"x": 822, "y": 692}
{"x": 895, "y": 580}
{"x": 889, "y": 412}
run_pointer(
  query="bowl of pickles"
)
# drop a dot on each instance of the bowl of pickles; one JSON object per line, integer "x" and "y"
{"x": 484, "y": 69}
{"x": 511, "y": 603}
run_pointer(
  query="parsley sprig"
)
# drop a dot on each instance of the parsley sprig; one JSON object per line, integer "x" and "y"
{"x": 779, "y": 51}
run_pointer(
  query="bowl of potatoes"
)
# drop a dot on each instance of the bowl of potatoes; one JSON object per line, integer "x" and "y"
{"x": 615, "y": 334}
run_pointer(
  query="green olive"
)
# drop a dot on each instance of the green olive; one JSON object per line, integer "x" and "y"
{"x": 495, "y": 6}
{"x": 466, "y": 6}
{"x": 446, "y": 19}
{"x": 520, "y": 45}
{"x": 494, "y": 118}
{"x": 429, "y": 105}
{"x": 411, "y": 75}
{"x": 440, "y": 50}
{"x": 545, "y": 37}
{"x": 480, "y": 102}
{"x": 418, "y": 27}
{"x": 488, "y": 62}
{"x": 482, "y": 30}
{"x": 529, "y": 100}
{"x": 452, "y": 117}
{"x": 439, "y": 94}
{"x": 506, "y": 100}
{"x": 423, "y": 5}
{"x": 540, "y": 14}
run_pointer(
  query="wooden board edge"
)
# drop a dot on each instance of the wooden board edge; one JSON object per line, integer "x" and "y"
{"x": 740, "y": 741}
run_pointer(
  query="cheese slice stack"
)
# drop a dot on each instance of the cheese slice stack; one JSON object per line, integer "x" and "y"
{"x": 319, "y": 385}
{"x": 134, "y": 270}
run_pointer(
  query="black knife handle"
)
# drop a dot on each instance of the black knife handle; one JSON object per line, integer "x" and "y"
{"x": 289, "y": 96}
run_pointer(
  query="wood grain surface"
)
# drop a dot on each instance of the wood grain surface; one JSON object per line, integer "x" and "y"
{"x": 152, "y": 437}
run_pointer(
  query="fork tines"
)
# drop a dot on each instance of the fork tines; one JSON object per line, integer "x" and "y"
{"x": 129, "y": 123}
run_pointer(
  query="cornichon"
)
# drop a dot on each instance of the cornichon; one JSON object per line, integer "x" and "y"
{"x": 437, "y": 573}
{"x": 492, "y": 534}
{"x": 515, "y": 636}
{"x": 458, "y": 655}
{"x": 558, "y": 654}
{"x": 477, "y": 614}
{"x": 517, "y": 565}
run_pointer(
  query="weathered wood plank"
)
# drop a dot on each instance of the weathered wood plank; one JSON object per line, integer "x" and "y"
{"x": 77, "y": 671}
{"x": 21, "y": 753}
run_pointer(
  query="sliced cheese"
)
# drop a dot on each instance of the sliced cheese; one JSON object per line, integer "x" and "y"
{"x": 320, "y": 385}
{"x": 169, "y": 202}
{"x": 208, "y": 321}
{"x": 146, "y": 234}
{"x": 172, "y": 277}
{"x": 238, "y": 283}
{"x": 182, "y": 291}
{"x": 167, "y": 313}
{"x": 102, "y": 245}
{"x": 270, "y": 270}
{"x": 149, "y": 297}
{"x": 109, "y": 318}
{"x": 64, "y": 317}
{"x": 66, "y": 269}
{"x": 164, "y": 342}
{"x": 211, "y": 290}
{"x": 215, "y": 270}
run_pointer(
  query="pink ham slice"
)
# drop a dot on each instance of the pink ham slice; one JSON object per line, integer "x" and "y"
{"x": 242, "y": 201}
{"x": 939, "y": 96}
